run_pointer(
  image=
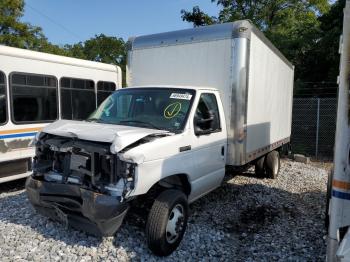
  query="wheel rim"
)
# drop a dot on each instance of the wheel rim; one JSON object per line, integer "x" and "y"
{"x": 175, "y": 224}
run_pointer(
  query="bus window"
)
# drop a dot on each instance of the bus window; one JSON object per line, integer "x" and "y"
{"x": 33, "y": 98}
{"x": 3, "y": 111}
{"x": 78, "y": 98}
{"x": 104, "y": 89}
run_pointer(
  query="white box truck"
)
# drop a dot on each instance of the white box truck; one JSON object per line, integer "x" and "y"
{"x": 199, "y": 100}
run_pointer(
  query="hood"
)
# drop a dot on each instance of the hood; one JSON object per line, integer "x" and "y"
{"x": 119, "y": 136}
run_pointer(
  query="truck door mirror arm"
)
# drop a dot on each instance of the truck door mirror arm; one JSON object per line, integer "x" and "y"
{"x": 198, "y": 122}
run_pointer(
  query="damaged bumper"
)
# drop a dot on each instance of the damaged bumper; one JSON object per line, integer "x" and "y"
{"x": 95, "y": 213}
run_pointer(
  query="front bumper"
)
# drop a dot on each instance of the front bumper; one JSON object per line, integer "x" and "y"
{"x": 95, "y": 213}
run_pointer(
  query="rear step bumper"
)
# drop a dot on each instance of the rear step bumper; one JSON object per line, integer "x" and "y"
{"x": 95, "y": 213}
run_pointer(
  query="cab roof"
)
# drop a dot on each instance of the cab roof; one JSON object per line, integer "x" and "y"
{"x": 176, "y": 86}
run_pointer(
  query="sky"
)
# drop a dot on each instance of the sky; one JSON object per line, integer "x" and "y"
{"x": 72, "y": 21}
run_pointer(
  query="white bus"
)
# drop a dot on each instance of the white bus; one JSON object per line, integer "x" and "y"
{"x": 38, "y": 88}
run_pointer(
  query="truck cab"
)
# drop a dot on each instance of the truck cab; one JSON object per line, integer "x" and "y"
{"x": 138, "y": 139}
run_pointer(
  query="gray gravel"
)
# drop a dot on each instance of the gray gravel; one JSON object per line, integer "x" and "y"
{"x": 247, "y": 219}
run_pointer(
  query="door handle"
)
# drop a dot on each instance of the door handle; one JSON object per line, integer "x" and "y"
{"x": 222, "y": 150}
{"x": 185, "y": 148}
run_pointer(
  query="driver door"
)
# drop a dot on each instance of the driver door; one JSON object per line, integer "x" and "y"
{"x": 210, "y": 142}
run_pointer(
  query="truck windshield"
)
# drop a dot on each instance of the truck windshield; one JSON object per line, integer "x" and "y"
{"x": 155, "y": 108}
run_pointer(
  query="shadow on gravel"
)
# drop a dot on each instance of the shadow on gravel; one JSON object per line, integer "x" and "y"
{"x": 12, "y": 186}
{"x": 255, "y": 215}
{"x": 16, "y": 209}
{"x": 266, "y": 218}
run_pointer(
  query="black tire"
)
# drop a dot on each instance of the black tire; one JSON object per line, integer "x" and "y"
{"x": 272, "y": 164}
{"x": 158, "y": 238}
{"x": 329, "y": 195}
{"x": 260, "y": 167}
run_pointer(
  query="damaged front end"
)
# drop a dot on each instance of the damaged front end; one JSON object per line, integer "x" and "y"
{"x": 80, "y": 183}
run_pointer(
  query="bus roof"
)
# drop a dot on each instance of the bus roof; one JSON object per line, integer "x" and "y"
{"x": 40, "y": 56}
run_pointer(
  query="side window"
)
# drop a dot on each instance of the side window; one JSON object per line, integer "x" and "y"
{"x": 3, "y": 109}
{"x": 33, "y": 98}
{"x": 104, "y": 89}
{"x": 207, "y": 119}
{"x": 78, "y": 98}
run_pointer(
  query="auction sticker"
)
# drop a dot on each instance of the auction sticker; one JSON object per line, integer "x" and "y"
{"x": 181, "y": 96}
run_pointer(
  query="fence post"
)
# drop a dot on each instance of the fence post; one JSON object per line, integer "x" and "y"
{"x": 317, "y": 126}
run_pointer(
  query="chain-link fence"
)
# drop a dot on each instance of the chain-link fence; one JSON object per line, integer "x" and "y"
{"x": 313, "y": 126}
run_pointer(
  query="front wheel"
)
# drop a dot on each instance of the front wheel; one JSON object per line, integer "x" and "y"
{"x": 167, "y": 221}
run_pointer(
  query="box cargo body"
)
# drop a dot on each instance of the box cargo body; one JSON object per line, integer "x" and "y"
{"x": 254, "y": 79}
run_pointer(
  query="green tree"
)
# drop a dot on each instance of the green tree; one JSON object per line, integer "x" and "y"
{"x": 15, "y": 33}
{"x": 106, "y": 49}
{"x": 76, "y": 50}
{"x": 198, "y": 17}
{"x": 265, "y": 14}
{"x": 292, "y": 25}
{"x": 101, "y": 48}
{"x": 322, "y": 61}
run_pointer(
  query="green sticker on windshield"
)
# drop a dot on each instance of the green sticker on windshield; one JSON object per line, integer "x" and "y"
{"x": 172, "y": 110}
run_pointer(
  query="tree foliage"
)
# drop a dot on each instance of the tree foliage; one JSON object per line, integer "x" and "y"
{"x": 101, "y": 48}
{"x": 265, "y": 14}
{"x": 305, "y": 31}
{"x": 15, "y": 33}
{"x": 198, "y": 17}
{"x": 321, "y": 63}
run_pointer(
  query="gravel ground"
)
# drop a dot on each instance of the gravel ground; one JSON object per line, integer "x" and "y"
{"x": 247, "y": 219}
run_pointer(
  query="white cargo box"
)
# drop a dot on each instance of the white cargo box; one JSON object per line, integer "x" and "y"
{"x": 254, "y": 79}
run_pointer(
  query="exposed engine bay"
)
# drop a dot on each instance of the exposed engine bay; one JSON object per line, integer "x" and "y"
{"x": 84, "y": 163}
{"x": 80, "y": 183}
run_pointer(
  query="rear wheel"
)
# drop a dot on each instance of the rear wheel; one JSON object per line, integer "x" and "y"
{"x": 167, "y": 221}
{"x": 260, "y": 167}
{"x": 272, "y": 164}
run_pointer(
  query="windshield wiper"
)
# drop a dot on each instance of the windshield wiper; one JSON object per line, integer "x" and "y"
{"x": 96, "y": 120}
{"x": 140, "y": 122}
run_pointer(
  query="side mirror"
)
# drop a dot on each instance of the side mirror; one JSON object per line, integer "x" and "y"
{"x": 203, "y": 126}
